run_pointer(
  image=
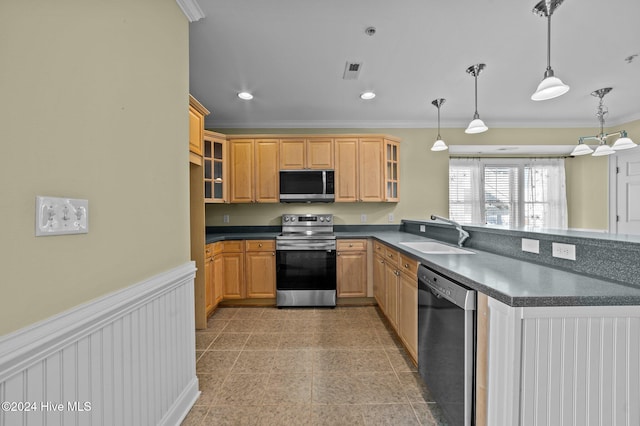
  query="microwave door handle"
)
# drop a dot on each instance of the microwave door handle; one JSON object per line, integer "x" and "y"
{"x": 324, "y": 182}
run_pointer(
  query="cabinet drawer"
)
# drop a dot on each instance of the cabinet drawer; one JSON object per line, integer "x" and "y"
{"x": 260, "y": 245}
{"x": 208, "y": 251}
{"x": 392, "y": 256}
{"x": 409, "y": 265}
{"x": 351, "y": 245}
{"x": 234, "y": 246}
{"x": 378, "y": 248}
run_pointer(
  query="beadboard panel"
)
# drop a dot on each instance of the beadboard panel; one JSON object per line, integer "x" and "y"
{"x": 571, "y": 366}
{"x": 129, "y": 354}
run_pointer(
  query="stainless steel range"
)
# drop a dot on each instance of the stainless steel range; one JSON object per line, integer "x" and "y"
{"x": 306, "y": 261}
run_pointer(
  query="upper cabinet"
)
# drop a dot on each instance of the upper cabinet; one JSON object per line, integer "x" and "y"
{"x": 361, "y": 169}
{"x": 306, "y": 153}
{"x": 215, "y": 167}
{"x": 197, "y": 112}
{"x": 366, "y": 166}
{"x": 254, "y": 170}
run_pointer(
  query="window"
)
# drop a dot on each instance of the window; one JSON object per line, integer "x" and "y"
{"x": 513, "y": 192}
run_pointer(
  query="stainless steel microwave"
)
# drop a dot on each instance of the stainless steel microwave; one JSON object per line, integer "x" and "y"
{"x": 307, "y": 186}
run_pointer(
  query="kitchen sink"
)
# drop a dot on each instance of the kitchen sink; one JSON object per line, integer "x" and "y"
{"x": 433, "y": 247}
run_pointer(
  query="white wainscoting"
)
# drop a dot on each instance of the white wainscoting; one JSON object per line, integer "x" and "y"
{"x": 130, "y": 355}
{"x": 564, "y": 366}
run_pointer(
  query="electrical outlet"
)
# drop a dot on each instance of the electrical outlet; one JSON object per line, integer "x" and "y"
{"x": 390, "y": 217}
{"x": 225, "y": 218}
{"x": 531, "y": 246}
{"x": 423, "y": 228}
{"x": 363, "y": 218}
{"x": 563, "y": 251}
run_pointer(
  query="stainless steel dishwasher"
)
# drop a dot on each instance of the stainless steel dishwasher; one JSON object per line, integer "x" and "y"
{"x": 447, "y": 344}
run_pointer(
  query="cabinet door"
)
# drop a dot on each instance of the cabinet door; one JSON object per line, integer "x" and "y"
{"x": 196, "y": 127}
{"x": 215, "y": 168}
{"x": 292, "y": 154}
{"x": 392, "y": 171}
{"x": 351, "y": 268}
{"x": 371, "y": 170}
{"x": 233, "y": 273}
{"x": 408, "y": 313}
{"x": 261, "y": 274}
{"x": 346, "y": 167}
{"x": 267, "y": 175}
{"x": 209, "y": 290}
{"x": 391, "y": 287}
{"x": 379, "y": 290}
{"x": 218, "y": 278}
{"x": 242, "y": 170}
{"x": 319, "y": 153}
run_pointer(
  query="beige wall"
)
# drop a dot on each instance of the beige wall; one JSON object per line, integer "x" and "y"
{"x": 94, "y": 105}
{"x": 424, "y": 178}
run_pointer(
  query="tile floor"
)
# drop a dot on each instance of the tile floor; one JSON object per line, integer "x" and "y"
{"x": 342, "y": 366}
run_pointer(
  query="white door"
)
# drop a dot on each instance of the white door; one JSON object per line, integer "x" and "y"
{"x": 627, "y": 192}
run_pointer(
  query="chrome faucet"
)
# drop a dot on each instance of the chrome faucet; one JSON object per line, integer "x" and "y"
{"x": 462, "y": 234}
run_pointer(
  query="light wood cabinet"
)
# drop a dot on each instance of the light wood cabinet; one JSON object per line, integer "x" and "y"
{"x": 306, "y": 153}
{"x": 351, "y": 268}
{"x": 361, "y": 174}
{"x": 254, "y": 170}
{"x": 233, "y": 270}
{"x": 215, "y": 167}
{"x": 346, "y": 170}
{"x": 213, "y": 276}
{"x": 261, "y": 268}
{"x": 395, "y": 288}
{"x": 267, "y": 177}
{"x": 197, "y": 112}
{"x": 391, "y": 170}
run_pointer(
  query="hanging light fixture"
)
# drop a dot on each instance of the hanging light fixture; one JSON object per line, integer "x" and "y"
{"x": 439, "y": 144}
{"x": 551, "y": 86}
{"x": 603, "y": 148}
{"x": 476, "y": 125}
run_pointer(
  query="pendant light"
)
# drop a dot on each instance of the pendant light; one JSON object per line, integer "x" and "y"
{"x": 476, "y": 125}
{"x": 623, "y": 142}
{"x": 439, "y": 144}
{"x": 551, "y": 86}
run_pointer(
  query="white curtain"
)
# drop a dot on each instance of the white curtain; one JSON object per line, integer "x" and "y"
{"x": 466, "y": 190}
{"x": 547, "y": 190}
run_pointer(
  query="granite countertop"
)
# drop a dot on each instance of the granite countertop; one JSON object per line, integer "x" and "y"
{"x": 514, "y": 282}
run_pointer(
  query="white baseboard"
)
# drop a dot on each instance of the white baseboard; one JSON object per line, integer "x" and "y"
{"x": 130, "y": 355}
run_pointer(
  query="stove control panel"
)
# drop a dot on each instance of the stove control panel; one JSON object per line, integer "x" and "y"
{"x": 307, "y": 219}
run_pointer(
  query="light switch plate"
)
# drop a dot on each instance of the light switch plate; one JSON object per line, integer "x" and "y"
{"x": 61, "y": 216}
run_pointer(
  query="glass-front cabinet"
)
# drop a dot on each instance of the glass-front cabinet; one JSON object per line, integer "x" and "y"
{"x": 392, "y": 170}
{"x": 215, "y": 173}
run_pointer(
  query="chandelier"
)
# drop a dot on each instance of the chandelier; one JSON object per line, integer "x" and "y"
{"x": 623, "y": 142}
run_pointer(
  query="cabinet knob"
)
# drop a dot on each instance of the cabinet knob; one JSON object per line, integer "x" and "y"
{"x": 273, "y": 253}
{"x": 338, "y": 254}
{"x": 390, "y": 255}
{"x": 259, "y": 244}
{"x": 382, "y": 261}
{"x": 350, "y": 245}
{"x": 406, "y": 265}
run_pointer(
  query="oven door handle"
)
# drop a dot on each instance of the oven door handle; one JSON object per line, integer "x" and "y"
{"x": 306, "y": 247}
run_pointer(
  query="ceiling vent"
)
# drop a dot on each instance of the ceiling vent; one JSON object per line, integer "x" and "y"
{"x": 352, "y": 70}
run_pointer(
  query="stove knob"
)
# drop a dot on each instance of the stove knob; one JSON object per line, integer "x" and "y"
{"x": 286, "y": 218}
{"x": 293, "y": 218}
{"x": 321, "y": 219}
{"x": 328, "y": 218}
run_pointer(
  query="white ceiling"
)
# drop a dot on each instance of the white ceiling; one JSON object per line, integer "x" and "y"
{"x": 291, "y": 55}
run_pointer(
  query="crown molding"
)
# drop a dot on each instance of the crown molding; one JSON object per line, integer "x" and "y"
{"x": 191, "y": 10}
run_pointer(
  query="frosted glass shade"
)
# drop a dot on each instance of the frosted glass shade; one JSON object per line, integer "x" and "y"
{"x": 549, "y": 88}
{"x": 623, "y": 143}
{"x": 439, "y": 145}
{"x": 581, "y": 149}
{"x": 476, "y": 126}
{"x": 603, "y": 149}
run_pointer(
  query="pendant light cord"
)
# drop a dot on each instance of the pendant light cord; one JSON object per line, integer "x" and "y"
{"x": 549, "y": 41}
{"x": 475, "y": 75}
{"x": 439, "y": 123}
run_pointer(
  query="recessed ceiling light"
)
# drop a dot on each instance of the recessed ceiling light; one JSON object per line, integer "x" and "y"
{"x": 245, "y": 95}
{"x": 367, "y": 95}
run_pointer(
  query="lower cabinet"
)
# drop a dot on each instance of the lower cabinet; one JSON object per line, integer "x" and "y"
{"x": 261, "y": 268}
{"x": 233, "y": 270}
{"x": 396, "y": 290}
{"x": 351, "y": 268}
{"x": 213, "y": 278}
